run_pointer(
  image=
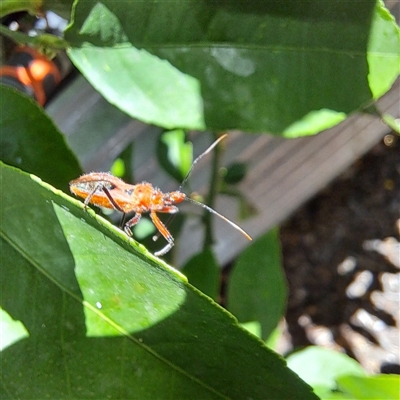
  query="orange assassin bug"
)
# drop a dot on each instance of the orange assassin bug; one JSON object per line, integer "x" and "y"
{"x": 106, "y": 190}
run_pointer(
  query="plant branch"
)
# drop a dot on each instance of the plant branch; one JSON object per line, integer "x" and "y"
{"x": 210, "y": 200}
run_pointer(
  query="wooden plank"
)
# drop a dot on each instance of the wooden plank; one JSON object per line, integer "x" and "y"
{"x": 279, "y": 185}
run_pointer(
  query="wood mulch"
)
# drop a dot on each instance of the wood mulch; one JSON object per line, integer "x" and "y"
{"x": 341, "y": 255}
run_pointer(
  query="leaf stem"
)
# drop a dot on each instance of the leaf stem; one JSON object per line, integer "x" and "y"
{"x": 210, "y": 200}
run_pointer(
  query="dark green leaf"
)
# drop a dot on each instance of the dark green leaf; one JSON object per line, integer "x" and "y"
{"x": 107, "y": 319}
{"x": 294, "y": 67}
{"x": 175, "y": 154}
{"x": 234, "y": 173}
{"x": 29, "y": 140}
{"x": 257, "y": 288}
{"x": 246, "y": 208}
{"x": 203, "y": 272}
{"x": 101, "y": 21}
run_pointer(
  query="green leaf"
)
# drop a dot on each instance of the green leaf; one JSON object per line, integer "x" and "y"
{"x": 12, "y": 6}
{"x": 203, "y": 272}
{"x": 257, "y": 287}
{"x": 349, "y": 387}
{"x": 382, "y": 387}
{"x": 103, "y": 22}
{"x": 254, "y": 328}
{"x": 274, "y": 337}
{"x": 323, "y": 366}
{"x": 393, "y": 123}
{"x": 261, "y": 65}
{"x": 118, "y": 168}
{"x": 246, "y": 208}
{"x": 143, "y": 229}
{"x": 107, "y": 319}
{"x": 43, "y": 41}
{"x": 29, "y": 140}
{"x": 122, "y": 167}
{"x": 142, "y": 85}
{"x": 383, "y": 55}
{"x": 235, "y": 173}
{"x": 314, "y": 122}
{"x": 325, "y": 393}
{"x": 175, "y": 154}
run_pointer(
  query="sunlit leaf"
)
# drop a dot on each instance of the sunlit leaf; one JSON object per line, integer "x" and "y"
{"x": 324, "y": 366}
{"x": 392, "y": 122}
{"x": 382, "y": 387}
{"x": 259, "y": 65}
{"x": 383, "y": 55}
{"x": 107, "y": 319}
{"x": 142, "y": 85}
{"x": 175, "y": 154}
{"x": 11, "y": 331}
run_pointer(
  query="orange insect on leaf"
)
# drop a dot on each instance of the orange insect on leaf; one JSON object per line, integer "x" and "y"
{"x": 106, "y": 190}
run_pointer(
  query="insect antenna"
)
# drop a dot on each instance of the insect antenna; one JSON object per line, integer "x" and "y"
{"x": 185, "y": 179}
{"x": 199, "y": 158}
{"x": 212, "y": 211}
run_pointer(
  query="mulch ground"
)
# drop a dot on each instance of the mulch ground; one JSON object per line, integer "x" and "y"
{"x": 342, "y": 259}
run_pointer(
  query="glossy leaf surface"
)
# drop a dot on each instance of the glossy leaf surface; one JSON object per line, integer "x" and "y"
{"x": 28, "y": 137}
{"x": 259, "y": 65}
{"x": 383, "y": 55}
{"x": 107, "y": 319}
{"x": 142, "y": 85}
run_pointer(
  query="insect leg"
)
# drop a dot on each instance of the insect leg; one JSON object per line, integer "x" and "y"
{"x": 164, "y": 231}
{"x": 96, "y": 188}
{"x": 111, "y": 199}
{"x": 122, "y": 223}
{"x": 169, "y": 210}
{"x": 101, "y": 187}
{"x": 132, "y": 222}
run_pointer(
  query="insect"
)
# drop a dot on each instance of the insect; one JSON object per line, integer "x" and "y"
{"x": 106, "y": 190}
